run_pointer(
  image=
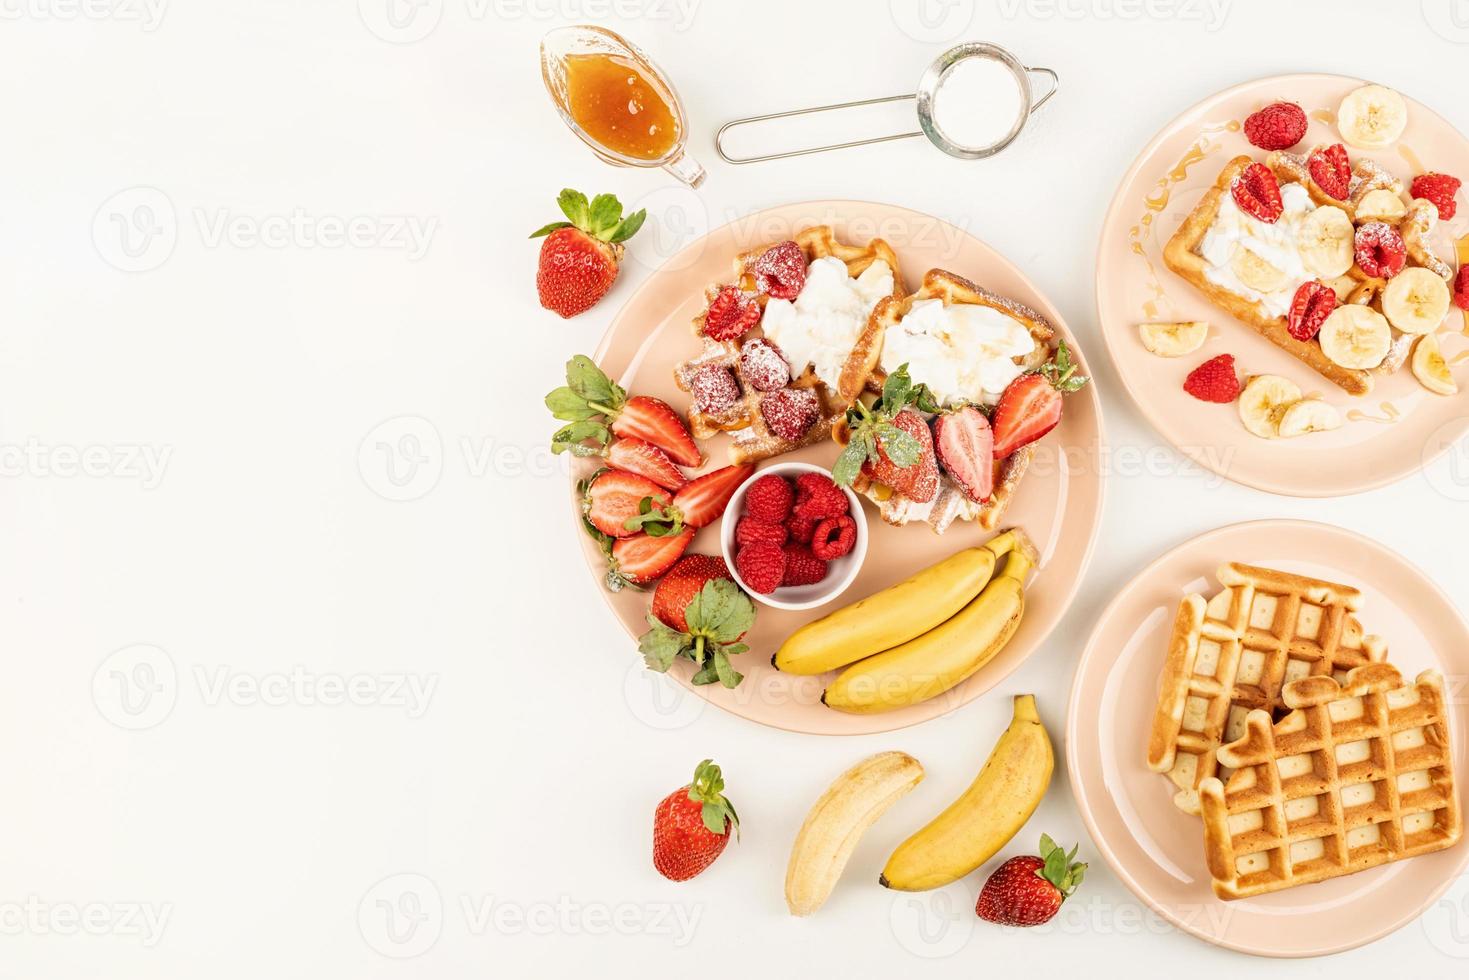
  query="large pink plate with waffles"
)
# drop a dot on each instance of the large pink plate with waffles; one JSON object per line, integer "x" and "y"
{"x": 1386, "y": 435}
{"x": 1059, "y": 503}
{"x": 1158, "y": 850}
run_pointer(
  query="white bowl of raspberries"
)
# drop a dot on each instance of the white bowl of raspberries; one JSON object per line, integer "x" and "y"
{"x": 792, "y": 538}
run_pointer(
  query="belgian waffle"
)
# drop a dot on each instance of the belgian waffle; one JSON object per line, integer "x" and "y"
{"x": 1358, "y": 774}
{"x": 1182, "y": 255}
{"x": 950, "y": 503}
{"x": 1236, "y": 652}
{"x": 752, "y": 438}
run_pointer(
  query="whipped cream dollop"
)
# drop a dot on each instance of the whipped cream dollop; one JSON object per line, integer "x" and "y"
{"x": 819, "y": 327}
{"x": 963, "y": 352}
{"x": 1276, "y": 243}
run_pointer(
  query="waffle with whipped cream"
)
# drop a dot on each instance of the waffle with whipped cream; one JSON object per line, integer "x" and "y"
{"x": 807, "y": 358}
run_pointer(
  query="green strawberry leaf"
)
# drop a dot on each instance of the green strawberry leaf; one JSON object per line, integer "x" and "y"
{"x": 720, "y": 612}
{"x": 574, "y": 205}
{"x": 573, "y": 437}
{"x": 605, "y": 214}
{"x": 707, "y": 674}
{"x": 661, "y": 646}
{"x": 849, "y": 463}
{"x": 897, "y": 390}
{"x": 568, "y": 406}
{"x": 728, "y": 676}
{"x": 587, "y": 380}
{"x": 629, "y": 226}
{"x": 547, "y": 229}
{"x": 900, "y": 447}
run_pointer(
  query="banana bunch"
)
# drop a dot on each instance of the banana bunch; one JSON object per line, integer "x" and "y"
{"x": 990, "y": 812}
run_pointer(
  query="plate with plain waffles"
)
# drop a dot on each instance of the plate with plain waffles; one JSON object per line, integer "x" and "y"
{"x": 703, "y": 333}
{"x": 1290, "y": 315}
{"x": 1267, "y": 738}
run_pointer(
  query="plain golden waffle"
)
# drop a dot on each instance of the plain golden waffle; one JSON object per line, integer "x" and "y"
{"x": 1358, "y": 774}
{"x": 1236, "y": 652}
{"x": 752, "y": 438}
{"x": 950, "y": 503}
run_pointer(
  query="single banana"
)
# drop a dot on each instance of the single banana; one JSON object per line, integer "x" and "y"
{"x": 1326, "y": 241}
{"x": 945, "y": 656}
{"x": 1355, "y": 337}
{"x": 1173, "y": 339}
{"x": 1264, "y": 398}
{"x": 837, "y": 822}
{"x": 1430, "y": 368}
{"x": 1308, "y": 415}
{"x": 1371, "y": 117}
{"x": 990, "y": 812}
{"x": 1416, "y": 300}
{"x": 1256, "y": 273}
{"x": 1381, "y": 204}
{"x": 896, "y": 614}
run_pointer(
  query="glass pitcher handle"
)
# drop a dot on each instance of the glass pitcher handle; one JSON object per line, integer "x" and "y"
{"x": 686, "y": 169}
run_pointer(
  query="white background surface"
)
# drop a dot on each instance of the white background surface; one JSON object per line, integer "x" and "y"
{"x": 266, "y": 556}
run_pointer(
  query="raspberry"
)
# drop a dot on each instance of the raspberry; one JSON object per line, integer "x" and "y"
{"x": 817, "y": 497}
{"x": 781, "y": 270}
{"x": 790, "y": 412}
{"x": 714, "y": 389}
{"x": 1257, "y": 193}
{"x": 769, "y": 499}
{"x": 1214, "y": 380}
{"x": 1310, "y": 307}
{"x": 730, "y": 315}
{"x": 750, "y": 531}
{"x": 1278, "y": 126}
{"x": 1380, "y": 250}
{"x": 1439, "y": 189}
{"x": 764, "y": 366}
{"x": 834, "y": 537}
{"x": 802, "y": 567}
{"x": 1461, "y": 288}
{"x": 1331, "y": 170}
{"x": 802, "y": 528}
{"x": 761, "y": 566}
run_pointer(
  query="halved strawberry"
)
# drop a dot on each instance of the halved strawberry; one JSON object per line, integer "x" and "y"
{"x": 1031, "y": 405}
{"x": 918, "y": 480}
{"x": 595, "y": 408}
{"x": 647, "y": 460}
{"x": 653, "y": 420}
{"x": 965, "y": 448}
{"x": 1331, "y": 170}
{"x": 642, "y": 558}
{"x": 1310, "y": 307}
{"x": 700, "y": 503}
{"x": 614, "y": 498}
{"x": 1257, "y": 193}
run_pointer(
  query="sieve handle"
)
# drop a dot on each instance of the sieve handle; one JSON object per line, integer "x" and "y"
{"x": 719, "y": 136}
{"x": 1055, "y": 84}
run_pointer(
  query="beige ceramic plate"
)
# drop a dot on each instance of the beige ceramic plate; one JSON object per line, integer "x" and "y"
{"x": 1388, "y": 434}
{"x": 1158, "y": 850}
{"x": 1062, "y": 492}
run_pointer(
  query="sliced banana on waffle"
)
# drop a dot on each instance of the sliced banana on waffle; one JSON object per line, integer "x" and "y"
{"x": 1356, "y": 337}
{"x": 1325, "y": 241}
{"x": 1430, "y": 368}
{"x": 1371, "y": 117}
{"x": 1173, "y": 339}
{"x": 1416, "y": 300}
{"x": 1256, "y": 273}
{"x": 1308, "y": 415}
{"x": 1381, "y": 205}
{"x": 1263, "y": 402}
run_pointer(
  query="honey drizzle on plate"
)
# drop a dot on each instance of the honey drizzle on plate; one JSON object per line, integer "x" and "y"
{"x": 1155, "y": 202}
{"x": 1406, "y": 152}
{"x": 1390, "y": 414}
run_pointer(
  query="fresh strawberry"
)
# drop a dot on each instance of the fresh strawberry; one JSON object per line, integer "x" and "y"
{"x": 965, "y": 447}
{"x": 1461, "y": 288}
{"x": 580, "y": 255}
{"x": 614, "y": 500}
{"x": 731, "y": 315}
{"x": 918, "y": 480}
{"x": 699, "y": 503}
{"x": 780, "y": 271}
{"x": 1278, "y": 126}
{"x": 1438, "y": 189}
{"x": 1309, "y": 308}
{"x": 1380, "y": 250}
{"x": 1028, "y": 891}
{"x": 833, "y": 537}
{"x": 1030, "y": 406}
{"x": 698, "y": 613}
{"x": 802, "y": 567}
{"x": 647, "y": 460}
{"x": 889, "y": 442}
{"x": 1214, "y": 380}
{"x": 1257, "y": 193}
{"x": 769, "y": 498}
{"x": 595, "y": 409}
{"x": 691, "y": 825}
{"x": 640, "y": 559}
{"x": 761, "y": 566}
{"x": 1331, "y": 169}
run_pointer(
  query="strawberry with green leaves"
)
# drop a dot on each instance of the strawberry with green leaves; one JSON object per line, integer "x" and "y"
{"x": 691, "y": 825}
{"x": 890, "y": 441}
{"x": 1031, "y": 405}
{"x": 698, "y": 614}
{"x": 595, "y": 408}
{"x": 580, "y": 255}
{"x": 1029, "y": 890}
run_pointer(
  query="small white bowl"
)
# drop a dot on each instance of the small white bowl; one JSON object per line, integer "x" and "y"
{"x": 839, "y": 571}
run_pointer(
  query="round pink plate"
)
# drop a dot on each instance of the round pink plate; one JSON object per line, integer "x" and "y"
{"x": 1156, "y": 849}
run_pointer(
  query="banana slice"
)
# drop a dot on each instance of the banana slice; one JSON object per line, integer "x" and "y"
{"x": 1262, "y": 402}
{"x": 1381, "y": 205}
{"x": 1326, "y": 242}
{"x": 1343, "y": 286}
{"x": 1308, "y": 415}
{"x": 1416, "y": 300}
{"x": 1173, "y": 339}
{"x": 1256, "y": 273}
{"x": 1430, "y": 368}
{"x": 1371, "y": 117}
{"x": 1356, "y": 337}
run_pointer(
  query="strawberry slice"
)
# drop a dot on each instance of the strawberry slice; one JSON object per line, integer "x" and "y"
{"x": 965, "y": 444}
{"x": 646, "y": 460}
{"x": 653, "y": 420}
{"x": 642, "y": 558}
{"x": 1031, "y": 405}
{"x": 1310, "y": 307}
{"x": 1331, "y": 170}
{"x": 1257, "y": 193}
{"x": 613, "y": 501}
{"x": 703, "y": 500}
